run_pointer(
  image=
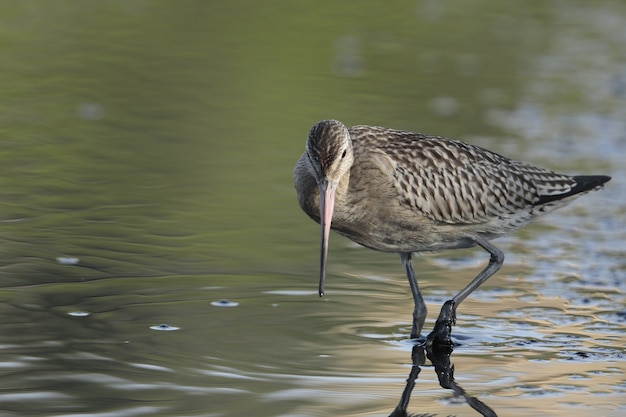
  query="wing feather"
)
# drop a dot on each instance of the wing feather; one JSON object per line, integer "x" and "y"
{"x": 454, "y": 182}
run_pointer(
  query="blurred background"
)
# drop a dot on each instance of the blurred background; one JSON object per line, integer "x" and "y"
{"x": 145, "y": 186}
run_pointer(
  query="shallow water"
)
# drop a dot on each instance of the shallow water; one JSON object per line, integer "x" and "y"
{"x": 154, "y": 260}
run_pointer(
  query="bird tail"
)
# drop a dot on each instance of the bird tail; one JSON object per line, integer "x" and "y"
{"x": 583, "y": 184}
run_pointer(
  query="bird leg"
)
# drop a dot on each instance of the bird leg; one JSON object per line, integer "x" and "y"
{"x": 419, "y": 312}
{"x": 440, "y": 336}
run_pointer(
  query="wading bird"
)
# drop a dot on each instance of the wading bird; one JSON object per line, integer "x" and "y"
{"x": 404, "y": 192}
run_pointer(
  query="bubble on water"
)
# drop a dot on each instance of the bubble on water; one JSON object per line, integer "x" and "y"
{"x": 164, "y": 327}
{"x": 67, "y": 260}
{"x": 224, "y": 303}
{"x": 348, "y": 61}
{"x": 90, "y": 111}
{"x": 79, "y": 313}
{"x": 445, "y": 106}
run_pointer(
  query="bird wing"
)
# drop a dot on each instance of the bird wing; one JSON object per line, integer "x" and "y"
{"x": 454, "y": 182}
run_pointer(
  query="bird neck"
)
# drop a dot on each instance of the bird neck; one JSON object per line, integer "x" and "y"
{"x": 341, "y": 193}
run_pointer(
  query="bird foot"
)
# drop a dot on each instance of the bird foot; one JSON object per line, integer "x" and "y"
{"x": 440, "y": 337}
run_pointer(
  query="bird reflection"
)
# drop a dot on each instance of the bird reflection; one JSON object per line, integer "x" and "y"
{"x": 440, "y": 358}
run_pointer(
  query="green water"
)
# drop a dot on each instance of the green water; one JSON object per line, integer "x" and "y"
{"x": 154, "y": 141}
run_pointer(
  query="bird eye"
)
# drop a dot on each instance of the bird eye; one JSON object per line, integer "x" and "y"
{"x": 343, "y": 155}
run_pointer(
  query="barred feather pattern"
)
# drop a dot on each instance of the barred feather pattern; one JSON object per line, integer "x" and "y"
{"x": 458, "y": 183}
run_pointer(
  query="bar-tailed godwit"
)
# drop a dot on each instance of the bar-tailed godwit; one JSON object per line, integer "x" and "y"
{"x": 404, "y": 192}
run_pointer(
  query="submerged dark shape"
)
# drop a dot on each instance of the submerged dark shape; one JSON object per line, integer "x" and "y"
{"x": 405, "y": 192}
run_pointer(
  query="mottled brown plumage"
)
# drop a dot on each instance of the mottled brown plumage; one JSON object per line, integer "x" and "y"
{"x": 405, "y": 192}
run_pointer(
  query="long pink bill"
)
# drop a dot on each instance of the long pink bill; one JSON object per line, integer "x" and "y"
{"x": 327, "y": 205}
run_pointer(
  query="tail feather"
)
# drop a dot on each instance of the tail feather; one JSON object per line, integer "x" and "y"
{"x": 583, "y": 183}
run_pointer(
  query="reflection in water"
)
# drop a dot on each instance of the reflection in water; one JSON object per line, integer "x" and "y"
{"x": 440, "y": 358}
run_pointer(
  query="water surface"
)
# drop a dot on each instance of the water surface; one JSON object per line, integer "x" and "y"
{"x": 154, "y": 260}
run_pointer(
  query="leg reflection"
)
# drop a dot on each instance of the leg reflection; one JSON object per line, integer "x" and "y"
{"x": 418, "y": 358}
{"x": 440, "y": 358}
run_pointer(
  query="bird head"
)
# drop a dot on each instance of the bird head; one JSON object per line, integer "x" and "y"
{"x": 329, "y": 150}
